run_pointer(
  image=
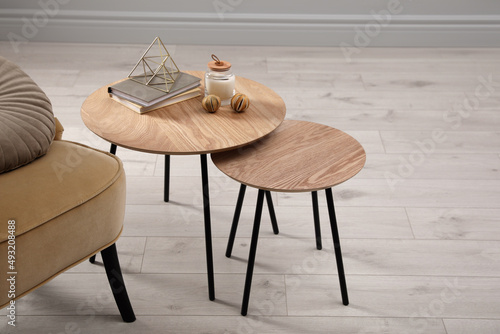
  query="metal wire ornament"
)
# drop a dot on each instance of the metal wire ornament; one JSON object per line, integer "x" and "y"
{"x": 158, "y": 69}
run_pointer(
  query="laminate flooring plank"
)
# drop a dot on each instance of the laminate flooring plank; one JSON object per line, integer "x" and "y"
{"x": 54, "y": 77}
{"x": 73, "y": 294}
{"x": 428, "y": 81}
{"x": 441, "y": 141}
{"x": 95, "y": 78}
{"x": 346, "y": 82}
{"x": 330, "y": 99}
{"x": 410, "y": 297}
{"x": 186, "y": 190}
{"x": 422, "y": 257}
{"x": 79, "y": 55}
{"x": 393, "y": 119}
{"x": 455, "y": 224}
{"x": 178, "y": 220}
{"x": 285, "y": 253}
{"x": 398, "y": 191}
{"x": 183, "y": 255}
{"x": 465, "y": 326}
{"x": 275, "y": 256}
{"x": 439, "y": 166}
{"x": 399, "y": 65}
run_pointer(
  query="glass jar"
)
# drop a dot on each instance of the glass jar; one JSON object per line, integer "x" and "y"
{"x": 219, "y": 80}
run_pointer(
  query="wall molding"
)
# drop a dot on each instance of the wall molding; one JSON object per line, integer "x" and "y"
{"x": 251, "y": 29}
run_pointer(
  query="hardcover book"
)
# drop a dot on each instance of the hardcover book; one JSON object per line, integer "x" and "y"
{"x": 176, "y": 99}
{"x": 146, "y": 96}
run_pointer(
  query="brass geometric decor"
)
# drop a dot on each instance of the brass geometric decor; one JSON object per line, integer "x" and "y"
{"x": 158, "y": 69}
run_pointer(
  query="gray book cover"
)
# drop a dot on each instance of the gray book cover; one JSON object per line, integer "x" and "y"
{"x": 148, "y": 95}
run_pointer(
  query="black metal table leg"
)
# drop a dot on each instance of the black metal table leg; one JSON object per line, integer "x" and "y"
{"x": 236, "y": 218}
{"x": 253, "y": 251}
{"x": 112, "y": 150}
{"x": 166, "y": 190}
{"x": 272, "y": 214}
{"x": 317, "y": 228}
{"x": 336, "y": 244}
{"x": 115, "y": 278}
{"x": 208, "y": 228}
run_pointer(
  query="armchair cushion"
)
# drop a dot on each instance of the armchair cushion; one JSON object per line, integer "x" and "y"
{"x": 67, "y": 205}
{"x": 27, "y": 125}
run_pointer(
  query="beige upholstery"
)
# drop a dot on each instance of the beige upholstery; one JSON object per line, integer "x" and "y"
{"x": 65, "y": 200}
{"x": 68, "y": 205}
{"x": 27, "y": 125}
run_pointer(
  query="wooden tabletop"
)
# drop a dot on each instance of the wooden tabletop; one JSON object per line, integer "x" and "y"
{"x": 298, "y": 156}
{"x": 185, "y": 127}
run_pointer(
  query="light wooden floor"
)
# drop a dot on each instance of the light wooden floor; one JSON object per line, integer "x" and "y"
{"x": 419, "y": 226}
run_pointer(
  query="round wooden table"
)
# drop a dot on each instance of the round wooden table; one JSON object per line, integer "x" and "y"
{"x": 298, "y": 156}
{"x": 186, "y": 128}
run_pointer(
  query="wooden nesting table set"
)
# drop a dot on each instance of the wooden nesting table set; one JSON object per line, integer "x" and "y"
{"x": 256, "y": 148}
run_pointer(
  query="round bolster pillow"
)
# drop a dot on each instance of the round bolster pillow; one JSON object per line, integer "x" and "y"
{"x": 27, "y": 125}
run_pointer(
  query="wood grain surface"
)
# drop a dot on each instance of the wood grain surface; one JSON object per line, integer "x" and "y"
{"x": 185, "y": 128}
{"x": 298, "y": 156}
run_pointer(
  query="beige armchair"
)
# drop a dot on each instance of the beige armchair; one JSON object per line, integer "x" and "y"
{"x": 59, "y": 200}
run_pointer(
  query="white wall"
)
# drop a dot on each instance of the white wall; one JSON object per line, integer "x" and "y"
{"x": 256, "y": 22}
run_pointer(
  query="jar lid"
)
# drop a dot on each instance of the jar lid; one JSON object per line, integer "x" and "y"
{"x": 219, "y": 65}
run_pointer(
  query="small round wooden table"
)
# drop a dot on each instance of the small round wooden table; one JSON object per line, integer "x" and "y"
{"x": 185, "y": 128}
{"x": 298, "y": 156}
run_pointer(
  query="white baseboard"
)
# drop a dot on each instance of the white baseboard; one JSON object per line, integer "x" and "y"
{"x": 250, "y": 29}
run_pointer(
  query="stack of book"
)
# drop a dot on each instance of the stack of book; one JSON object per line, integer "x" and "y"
{"x": 142, "y": 98}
